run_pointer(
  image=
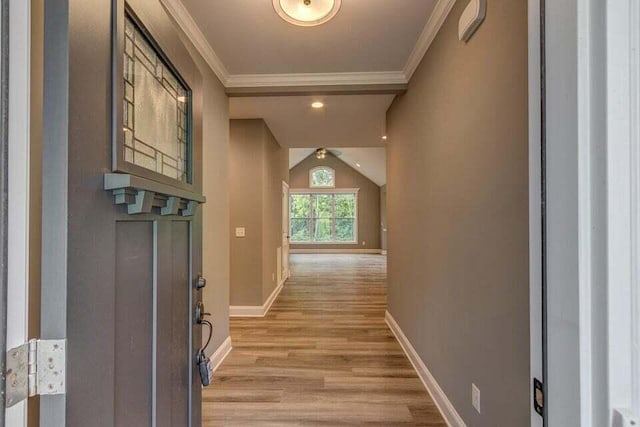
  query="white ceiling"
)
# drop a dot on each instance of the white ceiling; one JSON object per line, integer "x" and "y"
{"x": 365, "y": 36}
{"x": 345, "y": 120}
{"x": 372, "y": 161}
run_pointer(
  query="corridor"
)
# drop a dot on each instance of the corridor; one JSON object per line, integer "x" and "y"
{"x": 323, "y": 355}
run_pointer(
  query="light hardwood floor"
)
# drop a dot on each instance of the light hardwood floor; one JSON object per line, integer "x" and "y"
{"x": 323, "y": 355}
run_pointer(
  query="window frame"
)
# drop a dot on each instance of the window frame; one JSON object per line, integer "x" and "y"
{"x": 318, "y": 168}
{"x": 177, "y": 59}
{"x": 333, "y": 191}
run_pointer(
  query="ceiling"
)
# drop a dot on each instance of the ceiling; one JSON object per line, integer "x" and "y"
{"x": 345, "y": 120}
{"x": 366, "y": 35}
{"x": 369, "y": 42}
{"x": 372, "y": 161}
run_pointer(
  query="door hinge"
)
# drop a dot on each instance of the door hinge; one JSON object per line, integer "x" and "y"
{"x": 35, "y": 368}
{"x": 538, "y": 397}
{"x": 625, "y": 418}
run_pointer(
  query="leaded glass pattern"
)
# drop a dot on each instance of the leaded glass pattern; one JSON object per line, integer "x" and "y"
{"x": 156, "y": 109}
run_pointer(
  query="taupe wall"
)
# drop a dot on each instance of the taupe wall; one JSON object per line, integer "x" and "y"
{"x": 257, "y": 167}
{"x": 215, "y": 226}
{"x": 346, "y": 177}
{"x": 383, "y": 217}
{"x": 458, "y": 214}
{"x": 245, "y": 178}
{"x": 275, "y": 170}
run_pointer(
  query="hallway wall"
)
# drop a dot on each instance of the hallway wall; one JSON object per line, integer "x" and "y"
{"x": 257, "y": 167}
{"x": 457, "y": 205}
{"x": 215, "y": 180}
{"x": 346, "y": 177}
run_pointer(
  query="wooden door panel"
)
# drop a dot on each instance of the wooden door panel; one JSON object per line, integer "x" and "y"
{"x": 134, "y": 323}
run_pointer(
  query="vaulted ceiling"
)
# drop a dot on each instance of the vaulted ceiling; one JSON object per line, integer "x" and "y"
{"x": 370, "y": 162}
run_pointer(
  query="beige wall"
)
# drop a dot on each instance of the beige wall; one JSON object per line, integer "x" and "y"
{"x": 275, "y": 170}
{"x": 346, "y": 177}
{"x": 215, "y": 228}
{"x": 458, "y": 214}
{"x": 383, "y": 217}
{"x": 258, "y": 165}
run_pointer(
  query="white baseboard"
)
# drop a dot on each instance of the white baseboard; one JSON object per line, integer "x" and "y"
{"x": 449, "y": 413}
{"x": 335, "y": 251}
{"x": 256, "y": 310}
{"x": 221, "y": 353}
{"x": 383, "y": 252}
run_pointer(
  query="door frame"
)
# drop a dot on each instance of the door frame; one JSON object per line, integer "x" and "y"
{"x": 19, "y": 62}
{"x": 285, "y": 212}
{"x": 535, "y": 15}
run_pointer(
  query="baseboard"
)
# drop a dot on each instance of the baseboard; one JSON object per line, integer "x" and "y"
{"x": 221, "y": 353}
{"x": 256, "y": 310}
{"x": 335, "y": 251}
{"x": 383, "y": 252}
{"x": 448, "y": 411}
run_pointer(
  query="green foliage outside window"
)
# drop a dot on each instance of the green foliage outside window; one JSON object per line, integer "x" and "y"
{"x": 323, "y": 217}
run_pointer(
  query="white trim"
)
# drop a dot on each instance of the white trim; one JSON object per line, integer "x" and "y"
{"x": 383, "y": 252}
{"x": 334, "y": 250}
{"x": 623, "y": 210}
{"x": 324, "y": 190}
{"x": 447, "y": 410}
{"x": 535, "y": 204}
{"x": 188, "y": 25}
{"x": 18, "y": 187}
{"x": 316, "y": 79}
{"x": 256, "y": 310}
{"x": 184, "y": 20}
{"x": 221, "y": 353}
{"x": 429, "y": 32}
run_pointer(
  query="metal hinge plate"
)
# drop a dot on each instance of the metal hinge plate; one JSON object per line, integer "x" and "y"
{"x": 36, "y": 367}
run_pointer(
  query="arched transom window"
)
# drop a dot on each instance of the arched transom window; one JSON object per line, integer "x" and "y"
{"x": 322, "y": 177}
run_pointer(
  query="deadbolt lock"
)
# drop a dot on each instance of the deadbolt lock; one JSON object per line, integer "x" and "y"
{"x": 201, "y": 282}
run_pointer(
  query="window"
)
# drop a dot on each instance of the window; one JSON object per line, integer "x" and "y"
{"x": 324, "y": 217}
{"x": 156, "y": 109}
{"x": 322, "y": 177}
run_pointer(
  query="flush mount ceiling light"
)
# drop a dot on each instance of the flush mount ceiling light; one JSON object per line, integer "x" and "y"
{"x": 307, "y": 13}
{"x": 317, "y": 104}
{"x": 321, "y": 153}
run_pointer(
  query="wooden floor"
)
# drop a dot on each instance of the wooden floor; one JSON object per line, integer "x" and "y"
{"x": 323, "y": 355}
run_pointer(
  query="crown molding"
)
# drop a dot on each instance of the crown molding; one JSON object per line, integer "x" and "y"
{"x": 316, "y": 79}
{"x": 433, "y": 25}
{"x": 184, "y": 20}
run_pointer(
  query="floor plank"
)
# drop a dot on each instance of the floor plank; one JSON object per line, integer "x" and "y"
{"x": 323, "y": 355}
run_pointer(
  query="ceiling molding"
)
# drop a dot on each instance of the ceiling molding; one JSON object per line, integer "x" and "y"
{"x": 434, "y": 23}
{"x": 316, "y": 79}
{"x": 184, "y": 20}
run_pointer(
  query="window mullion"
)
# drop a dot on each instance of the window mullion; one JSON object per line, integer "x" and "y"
{"x": 311, "y": 217}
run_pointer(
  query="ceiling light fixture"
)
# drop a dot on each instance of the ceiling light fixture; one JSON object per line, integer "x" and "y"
{"x": 384, "y": 137}
{"x": 357, "y": 164}
{"x": 307, "y": 13}
{"x": 321, "y": 153}
{"x": 317, "y": 104}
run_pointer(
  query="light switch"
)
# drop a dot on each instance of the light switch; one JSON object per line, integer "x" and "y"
{"x": 240, "y": 232}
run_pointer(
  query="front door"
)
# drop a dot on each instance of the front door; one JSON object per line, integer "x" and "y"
{"x": 285, "y": 231}
{"x": 122, "y": 240}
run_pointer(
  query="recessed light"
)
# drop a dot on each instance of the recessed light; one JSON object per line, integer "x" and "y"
{"x": 357, "y": 164}
{"x": 317, "y": 104}
{"x": 384, "y": 137}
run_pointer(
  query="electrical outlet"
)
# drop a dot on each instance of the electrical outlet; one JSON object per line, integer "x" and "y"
{"x": 364, "y": 243}
{"x": 475, "y": 397}
{"x": 240, "y": 232}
